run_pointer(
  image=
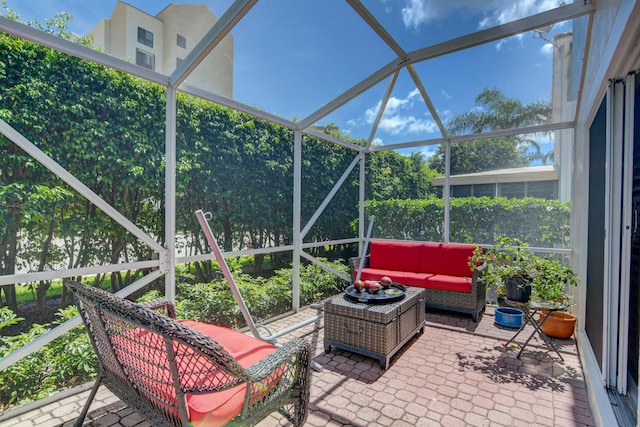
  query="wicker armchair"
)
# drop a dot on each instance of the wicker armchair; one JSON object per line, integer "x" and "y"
{"x": 178, "y": 373}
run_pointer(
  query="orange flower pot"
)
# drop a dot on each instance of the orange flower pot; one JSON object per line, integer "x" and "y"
{"x": 559, "y": 324}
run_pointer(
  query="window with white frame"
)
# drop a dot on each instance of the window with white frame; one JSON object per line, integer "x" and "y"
{"x": 145, "y": 59}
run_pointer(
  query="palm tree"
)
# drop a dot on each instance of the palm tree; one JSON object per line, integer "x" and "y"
{"x": 494, "y": 112}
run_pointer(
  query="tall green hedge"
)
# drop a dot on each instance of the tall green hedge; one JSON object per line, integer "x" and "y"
{"x": 539, "y": 222}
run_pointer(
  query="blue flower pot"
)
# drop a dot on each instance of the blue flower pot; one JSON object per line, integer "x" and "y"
{"x": 509, "y": 317}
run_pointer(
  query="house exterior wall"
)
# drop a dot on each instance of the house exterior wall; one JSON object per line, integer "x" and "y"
{"x": 100, "y": 34}
{"x": 563, "y": 110}
{"x": 499, "y": 177}
{"x": 135, "y": 18}
{"x": 118, "y": 36}
{"x": 613, "y": 37}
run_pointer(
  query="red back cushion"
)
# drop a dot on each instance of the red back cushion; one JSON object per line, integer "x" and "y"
{"x": 446, "y": 258}
{"x": 398, "y": 256}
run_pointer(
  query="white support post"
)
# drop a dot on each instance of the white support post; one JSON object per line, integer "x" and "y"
{"x": 297, "y": 209}
{"x": 610, "y": 292}
{"x": 363, "y": 159}
{"x": 365, "y": 246}
{"x": 447, "y": 192}
{"x": 383, "y": 105}
{"x": 169, "y": 264}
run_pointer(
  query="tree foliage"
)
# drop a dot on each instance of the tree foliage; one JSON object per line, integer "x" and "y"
{"x": 390, "y": 176}
{"x": 108, "y": 129}
{"x": 495, "y": 112}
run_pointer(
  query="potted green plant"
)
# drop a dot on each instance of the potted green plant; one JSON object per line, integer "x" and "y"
{"x": 547, "y": 280}
{"x": 510, "y": 268}
{"x": 552, "y": 281}
{"x": 551, "y": 286}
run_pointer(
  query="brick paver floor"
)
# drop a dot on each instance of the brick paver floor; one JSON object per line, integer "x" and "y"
{"x": 457, "y": 373}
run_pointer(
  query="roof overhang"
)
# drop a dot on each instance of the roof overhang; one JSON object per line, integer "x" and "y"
{"x": 532, "y": 173}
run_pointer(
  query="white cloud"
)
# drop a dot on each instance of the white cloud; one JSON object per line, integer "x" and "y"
{"x": 428, "y": 151}
{"x": 547, "y": 49}
{"x": 496, "y": 12}
{"x": 399, "y": 124}
{"x": 398, "y": 117}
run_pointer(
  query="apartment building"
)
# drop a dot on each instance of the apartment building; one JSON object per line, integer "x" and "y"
{"x": 162, "y": 41}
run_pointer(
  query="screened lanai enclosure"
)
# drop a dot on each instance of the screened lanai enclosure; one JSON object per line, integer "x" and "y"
{"x": 296, "y": 126}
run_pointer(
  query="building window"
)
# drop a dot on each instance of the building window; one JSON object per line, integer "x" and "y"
{"x": 512, "y": 189}
{"x": 145, "y": 59}
{"x": 460, "y": 191}
{"x": 480, "y": 190}
{"x": 182, "y": 41}
{"x": 543, "y": 189}
{"x": 145, "y": 37}
{"x": 178, "y": 62}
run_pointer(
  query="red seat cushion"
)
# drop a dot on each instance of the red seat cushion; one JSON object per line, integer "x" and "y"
{"x": 446, "y": 258}
{"x": 440, "y": 281}
{"x": 377, "y": 274}
{"x": 396, "y": 256}
{"x": 219, "y": 408}
{"x": 145, "y": 355}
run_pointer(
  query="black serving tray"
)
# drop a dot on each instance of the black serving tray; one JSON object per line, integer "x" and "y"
{"x": 394, "y": 293}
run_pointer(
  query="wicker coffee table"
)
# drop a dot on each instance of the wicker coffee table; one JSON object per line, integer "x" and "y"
{"x": 374, "y": 330}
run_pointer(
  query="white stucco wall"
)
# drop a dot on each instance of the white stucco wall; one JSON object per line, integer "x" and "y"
{"x": 135, "y": 18}
{"x": 100, "y": 34}
{"x": 563, "y": 110}
{"x": 193, "y": 21}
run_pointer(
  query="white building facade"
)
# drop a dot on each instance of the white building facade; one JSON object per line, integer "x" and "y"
{"x": 160, "y": 43}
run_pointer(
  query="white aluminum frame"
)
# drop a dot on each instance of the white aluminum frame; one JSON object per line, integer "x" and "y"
{"x": 626, "y": 237}
{"x": 613, "y": 200}
{"x": 167, "y": 259}
{"x": 606, "y": 297}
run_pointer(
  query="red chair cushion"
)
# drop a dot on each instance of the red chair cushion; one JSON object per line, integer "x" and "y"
{"x": 397, "y": 256}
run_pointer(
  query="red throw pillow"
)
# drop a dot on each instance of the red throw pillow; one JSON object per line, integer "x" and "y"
{"x": 446, "y": 258}
{"x": 397, "y": 256}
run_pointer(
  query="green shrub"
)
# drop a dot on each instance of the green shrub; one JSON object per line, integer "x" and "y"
{"x": 539, "y": 222}
{"x": 66, "y": 361}
{"x": 265, "y": 297}
{"x": 70, "y": 359}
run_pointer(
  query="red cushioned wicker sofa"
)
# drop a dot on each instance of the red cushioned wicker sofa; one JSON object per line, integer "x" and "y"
{"x": 441, "y": 268}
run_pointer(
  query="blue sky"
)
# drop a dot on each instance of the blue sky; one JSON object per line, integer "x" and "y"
{"x": 291, "y": 56}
